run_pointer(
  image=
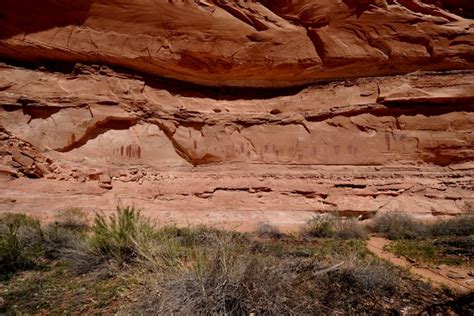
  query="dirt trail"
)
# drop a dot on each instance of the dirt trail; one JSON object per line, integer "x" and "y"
{"x": 437, "y": 277}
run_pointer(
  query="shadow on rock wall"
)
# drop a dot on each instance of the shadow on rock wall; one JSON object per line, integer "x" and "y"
{"x": 30, "y": 16}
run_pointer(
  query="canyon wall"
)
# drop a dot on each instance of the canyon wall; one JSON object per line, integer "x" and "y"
{"x": 243, "y": 43}
{"x": 235, "y": 112}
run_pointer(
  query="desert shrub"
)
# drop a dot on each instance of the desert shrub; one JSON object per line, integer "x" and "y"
{"x": 320, "y": 226}
{"x": 225, "y": 285}
{"x": 199, "y": 235}
{"x": 72, "y": 246}
{"x": 241, "y": 284}
{"x": 340, "y": 249}
{"x": 325, "y": 226}
{"x": 397, "y": 225}
{"x": 20, "y": 242}
{"x": 72, "y": 218}
{"x": 59, "y": 241}
{"x": 267, "y": 230}
{"x": 193, "y": 236}
{"x": 456, "y": 226}
{"x": 82, "y": 259}
{"x": 175, "y": 246}
{"x": 220, "y": 278}
{"x": 225, "y": 276}
{"x": 349, "y": 228}
{"x": 458, "y": 246}
{"x": 120, "y": 235}
{"x": 373, "y": 279}
{"x": 357, "y": 286}
{"x": 163, "y": 254}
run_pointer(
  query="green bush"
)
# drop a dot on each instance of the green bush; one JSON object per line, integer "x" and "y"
{"x": 415, "y": 249}
{"x": 121, "y": 234}
{"x": 397, "y": 225}
{"x": 21, "y": 240}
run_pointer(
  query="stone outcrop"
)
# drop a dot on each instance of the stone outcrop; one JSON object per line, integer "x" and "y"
{"x": 165, "y": 105}
{"x": 238, "y": 153}
{"x": 243, "y": 43}
{"x": 97, "y": 119}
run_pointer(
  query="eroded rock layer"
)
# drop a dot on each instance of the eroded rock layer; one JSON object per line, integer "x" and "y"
{"x": 188, "y": 128}
{"x": 95, "y": 118}
{"x": 191, "y": 150}
{"x": 244, "y": 43}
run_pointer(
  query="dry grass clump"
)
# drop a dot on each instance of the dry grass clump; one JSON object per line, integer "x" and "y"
{"x": 199, "y": 235}
{"x": 20, "y": 242}
{"x": 235, "y": 283}
{"x": 398, "y": 225}
{"x": 173, "y": 248}
{"x": 240, "y": 286}
{"x": 58, "y": 241}
{"x": 320, "y": 226}
{"x": 24, "y": 244}
{"x": 359, "y": 287}
{"x": 327, "y": 225}
{"x": 73, "y": 218}
{"x": 349, "y": 228}
{"x": 267, "y": 230}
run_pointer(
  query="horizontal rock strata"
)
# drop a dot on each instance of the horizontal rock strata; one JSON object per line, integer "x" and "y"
{"x": 235, "y": 112}
{"x": 244, "y": 43}
{"x": 420, "y": 118}
{"x": 241, "y": 197}
{"x": 98, "y": 130}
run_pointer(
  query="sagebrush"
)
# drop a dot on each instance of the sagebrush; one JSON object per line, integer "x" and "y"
{"x": 327, "y": 225}
{"x": 21, "y": 242}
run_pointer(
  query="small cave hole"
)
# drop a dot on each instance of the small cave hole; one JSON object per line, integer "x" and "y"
{"x": 275, "y": 112}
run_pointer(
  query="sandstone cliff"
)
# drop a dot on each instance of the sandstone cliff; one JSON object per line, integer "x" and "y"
{"x": 243, "y": 43}
{"x": 231, "y": 111}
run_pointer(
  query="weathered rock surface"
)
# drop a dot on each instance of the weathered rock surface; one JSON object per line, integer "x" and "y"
{"x": 180, "y": 154}
{"x": 96, "y": 119}
{"x": 380, "y": 137}
{"x": 244, "y": 43}
{"x": 241, "y": 196}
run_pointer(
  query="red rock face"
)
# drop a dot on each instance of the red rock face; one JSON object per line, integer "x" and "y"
{"x": 237, "y": 43}
{"x": 178, "y": 116}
